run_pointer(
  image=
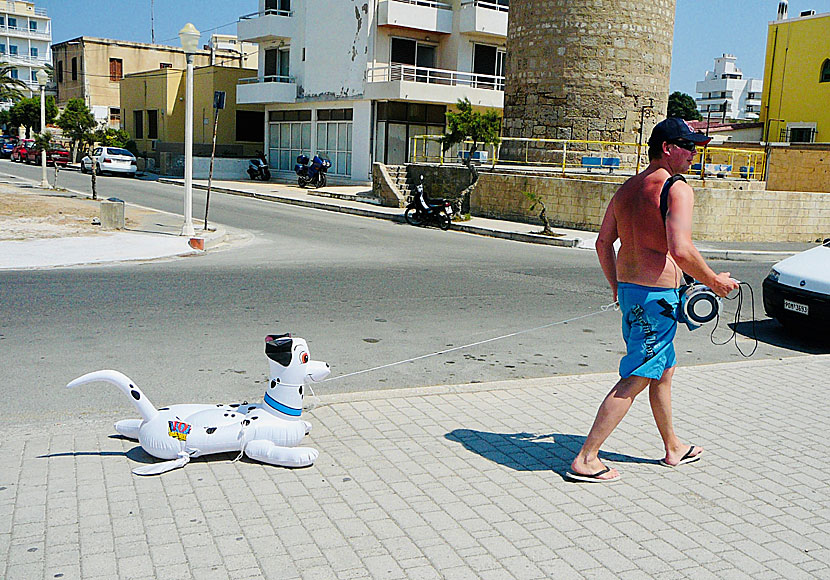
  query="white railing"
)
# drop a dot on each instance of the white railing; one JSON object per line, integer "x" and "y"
{"x": 266, "y": 79}
{"x": 427, "y": 3}
{"x": 489, "y": 4}
{"x": 24, "y": 59}
{"x": 26, "y": 32}
{"x": 270, "y": 11}
{"x": 410, "y": 73}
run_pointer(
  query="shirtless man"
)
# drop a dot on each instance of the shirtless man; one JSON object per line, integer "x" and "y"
{"x": 644, "y": 277}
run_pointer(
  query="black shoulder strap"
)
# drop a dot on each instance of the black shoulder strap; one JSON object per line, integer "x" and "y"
{"x": 664, "y": 194}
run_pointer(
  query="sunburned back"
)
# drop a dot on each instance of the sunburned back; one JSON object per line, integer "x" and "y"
{"x": 643, "y": 257}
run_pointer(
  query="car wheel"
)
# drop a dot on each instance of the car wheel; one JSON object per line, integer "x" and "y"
{"x": 83, "y": 168}
{"x": 98, "y": 169}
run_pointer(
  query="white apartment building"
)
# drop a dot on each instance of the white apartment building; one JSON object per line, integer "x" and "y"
{"x": 726, "y": 94}
{"x": 355, "y": 80}
{"x": 25, "y": 41}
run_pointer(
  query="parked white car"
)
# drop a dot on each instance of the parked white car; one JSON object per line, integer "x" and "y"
{"x": 109, "y": 160}
{"x": 797, "y": 290}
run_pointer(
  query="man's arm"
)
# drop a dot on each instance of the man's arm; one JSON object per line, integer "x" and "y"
{"x": 681, "y": 246}
{"x": 605, "y": 247}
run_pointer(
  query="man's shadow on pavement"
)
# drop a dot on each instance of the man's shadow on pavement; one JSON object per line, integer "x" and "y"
{"x": 530, "y": 451}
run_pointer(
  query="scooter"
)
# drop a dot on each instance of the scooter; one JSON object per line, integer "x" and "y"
{"x": 258, "y": 169}
{"x": 422, "y": 210}
{"x": 314, "y": 174}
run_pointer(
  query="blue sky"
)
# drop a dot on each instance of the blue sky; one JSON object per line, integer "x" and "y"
{"x": 704, "y": 29}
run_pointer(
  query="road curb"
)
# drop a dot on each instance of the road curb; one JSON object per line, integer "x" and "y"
{"x": 371, "y": 213}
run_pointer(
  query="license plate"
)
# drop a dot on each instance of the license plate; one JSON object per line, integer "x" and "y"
{"x": 796, "y": 307}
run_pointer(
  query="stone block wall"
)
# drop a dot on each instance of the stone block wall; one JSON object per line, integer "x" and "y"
{"x": 584, "y": 69}
{"x": 733, "y": 212}
{"x": 799, "y": 167}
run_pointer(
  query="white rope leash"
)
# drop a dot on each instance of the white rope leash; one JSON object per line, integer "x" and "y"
{"x": 613, "y": 306}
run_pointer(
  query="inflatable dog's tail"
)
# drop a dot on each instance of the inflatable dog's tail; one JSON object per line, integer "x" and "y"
{"x": 142, "y": 404}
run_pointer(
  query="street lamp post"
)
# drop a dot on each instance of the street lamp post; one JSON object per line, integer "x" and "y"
{"x": 190, "y": 42}
{"x": 42, "y": 79}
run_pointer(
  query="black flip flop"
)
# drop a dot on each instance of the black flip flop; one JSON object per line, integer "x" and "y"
{"x": 688, "y": 458}
{"x": 593, "y": 478}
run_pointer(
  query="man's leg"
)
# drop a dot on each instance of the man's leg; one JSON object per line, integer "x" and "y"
{"x": 659, "y": 395}
{"x": 611, "y": 412}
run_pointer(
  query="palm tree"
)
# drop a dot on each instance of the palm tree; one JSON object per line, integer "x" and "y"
{"x": 10, "y": 89}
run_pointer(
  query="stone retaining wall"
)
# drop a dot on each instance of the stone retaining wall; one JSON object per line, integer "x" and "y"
{"x": 721, "y": 213}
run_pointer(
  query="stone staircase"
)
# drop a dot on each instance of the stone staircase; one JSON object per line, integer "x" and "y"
{"x": 400, "y": 179}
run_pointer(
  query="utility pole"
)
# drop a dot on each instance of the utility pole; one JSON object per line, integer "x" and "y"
{"x": 152, "y": 23}
{"x": 218, "y": 104}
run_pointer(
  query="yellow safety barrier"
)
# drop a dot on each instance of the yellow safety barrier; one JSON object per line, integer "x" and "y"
{"x": 578, "y": 156}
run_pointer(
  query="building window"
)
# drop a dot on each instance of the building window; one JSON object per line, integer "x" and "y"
{"x": 250, "y": 126}
{"x": 34, "y": 76}
{"x": 60, "y": 71}
{"x": 74, "y": 68}
{"x": 825, "y": 72}
{"x": 115, "y": 117}
{"x": 3, "y": 48}
{"x": 2, "y": 21}
{"x": 334, "y": 141}
{"x": 12, "y": 23}
{"x": 13, "y": 49}
{"x": 152, "y": 124}
{"x": 412, "y": 52}
{"x": 276, "y": 65}
{"x": 14, "y": 74}
{"x": 33, "y": 25}
{"x": 289, "y": 135}
{"x": 165, "y": 65}
{"x": 281, "y": 5}
{"x": 138, "y": 124}
{"x": 488, "y": 61}
{"x": 116, "y": 70}
{"x": 33, "y": 51}
{"x": 801, "y": 134}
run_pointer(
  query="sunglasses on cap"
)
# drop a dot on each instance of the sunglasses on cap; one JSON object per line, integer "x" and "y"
{"x": 684, "y": 144}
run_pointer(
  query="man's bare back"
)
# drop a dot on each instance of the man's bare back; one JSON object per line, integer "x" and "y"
{"x": 644, "y": 254}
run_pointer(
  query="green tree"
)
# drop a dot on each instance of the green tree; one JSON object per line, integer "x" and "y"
{"x": 112, "y": 137}
{"x": 26, "y": 113}
{"x": 10, "y": 89}
{"x": 468, "y": 125}
{"x": 683, "y": 106}
{"x": 77, "y": 123}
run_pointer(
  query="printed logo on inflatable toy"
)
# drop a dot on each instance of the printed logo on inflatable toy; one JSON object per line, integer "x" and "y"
{"x": 179, "y": 429}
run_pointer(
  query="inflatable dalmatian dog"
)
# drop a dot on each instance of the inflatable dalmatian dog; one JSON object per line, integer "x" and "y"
{"x": 268, "y": 432}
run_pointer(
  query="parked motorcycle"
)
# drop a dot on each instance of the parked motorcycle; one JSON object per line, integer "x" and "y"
{"x": 313, "y": 175}
{"x": 258, "y": 169}
{"x": 422, "y": 210}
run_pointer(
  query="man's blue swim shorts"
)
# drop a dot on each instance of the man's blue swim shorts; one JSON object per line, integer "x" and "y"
{"x": 649, "y": 323}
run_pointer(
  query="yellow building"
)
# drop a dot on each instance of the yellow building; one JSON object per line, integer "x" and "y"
{"x": 796, "y": 95}
{"x": 153, "y": 103}
{"x": 92, "y": 68}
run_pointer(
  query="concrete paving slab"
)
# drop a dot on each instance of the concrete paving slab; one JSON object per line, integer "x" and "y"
{"x": 453, "y": 481}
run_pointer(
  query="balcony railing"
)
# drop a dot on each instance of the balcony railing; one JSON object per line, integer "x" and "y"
{"x": 427, "y": 3}
{"x": 270, "y": 11}
{"x": 417, "y": 74}
{"x": 266, "y": 79}
{"x": 26, "y": 32}
{"x": 489, "y": 4}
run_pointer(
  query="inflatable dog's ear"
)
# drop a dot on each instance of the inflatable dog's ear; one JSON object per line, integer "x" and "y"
{"x": 278, "y": 348}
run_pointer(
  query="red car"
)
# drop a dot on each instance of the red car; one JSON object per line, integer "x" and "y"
{"x": 55, "y": 154}
{"x": 21, "y": 150}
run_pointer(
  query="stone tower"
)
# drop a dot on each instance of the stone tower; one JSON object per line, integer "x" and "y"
{"x": 583, "y": 69}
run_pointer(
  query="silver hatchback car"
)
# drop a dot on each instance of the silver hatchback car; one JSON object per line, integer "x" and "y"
{"x": 109, "y": 160}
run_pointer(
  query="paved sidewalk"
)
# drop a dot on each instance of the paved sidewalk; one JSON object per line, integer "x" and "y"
{"x": 354, "y": 199}
{"x": 446, "y": 482}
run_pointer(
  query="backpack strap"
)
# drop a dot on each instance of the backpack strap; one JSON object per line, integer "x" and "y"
{"x": 664, "y": 194}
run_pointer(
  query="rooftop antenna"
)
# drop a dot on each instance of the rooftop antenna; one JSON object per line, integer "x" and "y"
{"x": 782, "y": 9}
{"x": 152, "y": 23}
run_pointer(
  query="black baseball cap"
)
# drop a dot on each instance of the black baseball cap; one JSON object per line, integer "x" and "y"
{"x": 676, "y": 129}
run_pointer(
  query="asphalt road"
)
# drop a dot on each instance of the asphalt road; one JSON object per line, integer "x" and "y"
{"x": 362, "y": 292}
